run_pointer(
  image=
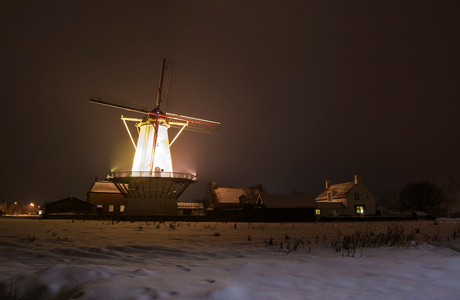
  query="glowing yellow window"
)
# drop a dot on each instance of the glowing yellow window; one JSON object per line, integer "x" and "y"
{"x": 359, "y": 209}
{"x": 317, "y": 212}
{"x": 110, "y": 208}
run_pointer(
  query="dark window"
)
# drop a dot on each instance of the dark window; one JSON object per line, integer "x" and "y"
{"x": 356, "y": 196}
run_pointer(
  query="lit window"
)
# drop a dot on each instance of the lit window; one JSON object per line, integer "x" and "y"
{"x": 317, "y": 212}
{"x": 356, "y": 196}
{"x": 360, "y": 209}
{"x": 99, "y": 206}
{"x": 334, "y": 211}
{"x": 122, "y": 208}
{"x": 110, "y": 208}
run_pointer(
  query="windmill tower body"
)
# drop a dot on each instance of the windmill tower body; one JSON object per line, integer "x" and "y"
{"x": 152, "y": 187}
{"x": 149, "y": 158}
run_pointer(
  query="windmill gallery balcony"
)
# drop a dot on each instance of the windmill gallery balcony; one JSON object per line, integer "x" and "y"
{"x": 151, "y": 192}
{"x": 151, "y": 185}
{"x": 179, "y": 175}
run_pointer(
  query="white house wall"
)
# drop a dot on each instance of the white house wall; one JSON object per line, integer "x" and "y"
{"x": 366, "y": 198}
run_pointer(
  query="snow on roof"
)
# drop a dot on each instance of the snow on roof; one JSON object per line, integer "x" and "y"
{"x": 190, "y": 205}
{"x": 104, "y": 187}
{"x": 339, "y": 190}
{"x": 229, "y": 195}
{"x": 288, "y": 201}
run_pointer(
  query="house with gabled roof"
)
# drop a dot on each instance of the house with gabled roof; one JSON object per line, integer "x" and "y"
{"x": 70, "y": 205}
{"x": 351, "y": 198}
{"x": 106, "y": 198}
{"x": 232, "y": 198}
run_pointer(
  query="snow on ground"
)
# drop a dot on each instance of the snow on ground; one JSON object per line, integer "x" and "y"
{"x": 60, "y": 259}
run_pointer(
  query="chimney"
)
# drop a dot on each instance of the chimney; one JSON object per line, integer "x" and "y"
{"x": 358, "y": 178}
{"x": 214, "y": 185}
{"x": 328, "y": 183}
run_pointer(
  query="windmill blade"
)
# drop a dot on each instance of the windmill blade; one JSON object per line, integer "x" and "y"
{"x": 165, "y": 82}
{"x": 192, "y": 124}
{"x": 107, "y": 100}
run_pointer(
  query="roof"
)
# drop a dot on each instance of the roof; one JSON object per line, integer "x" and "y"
{"x": 339, "y": 191}
{"x": 288, "y": 201}
{"x": 104, "y": 187}
{"x": 189, "y": 205}
{"x": 229, "y": 195}
{"x": 420, "y": 213}
{"x": 72, "y": 199}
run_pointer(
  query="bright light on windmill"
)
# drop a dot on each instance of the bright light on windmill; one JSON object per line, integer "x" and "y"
{"x": 153, "y": 146}
{"x": 153, "y": 149}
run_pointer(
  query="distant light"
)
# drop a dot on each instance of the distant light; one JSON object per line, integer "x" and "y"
{"x": 15, "y": 203}
{"x": 31, "y": 204}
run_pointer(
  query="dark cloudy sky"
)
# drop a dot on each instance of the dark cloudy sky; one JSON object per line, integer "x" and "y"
{"x": 305, "y": 91}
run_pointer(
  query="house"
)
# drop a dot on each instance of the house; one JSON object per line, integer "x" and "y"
{"x": 68, "y": 205}
{"x": 190, "y": 208}
{"x": 232, "y": 198}
{"x": 420, "y": 215}
{"x": 106, "y": 198}
{"x": 349, "y": 198}
{"x": 287, "y": 208}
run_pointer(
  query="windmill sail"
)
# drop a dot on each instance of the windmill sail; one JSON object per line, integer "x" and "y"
{"x": 153, "y": 147}
{"x": 192, "y": 124}
{"x": 107, "y": 100}
{"x": 165, "y": 82}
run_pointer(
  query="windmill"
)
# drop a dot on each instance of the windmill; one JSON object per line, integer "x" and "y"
{"x": 152, "y": 179}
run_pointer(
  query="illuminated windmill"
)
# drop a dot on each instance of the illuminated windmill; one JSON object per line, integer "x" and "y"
{"x": 152, "y": 180}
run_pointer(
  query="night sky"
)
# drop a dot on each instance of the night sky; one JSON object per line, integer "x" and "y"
{"x": 305, "y": 91}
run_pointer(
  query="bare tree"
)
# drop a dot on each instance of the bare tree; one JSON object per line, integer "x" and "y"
{"x": 210, "y": 198}
{"x": 398, "y": 203}
{"x": 385, "y": 200}
{"x": 450, "y": 189}
{"x": 252, "y": 193}
{"x": 421, "y": 196}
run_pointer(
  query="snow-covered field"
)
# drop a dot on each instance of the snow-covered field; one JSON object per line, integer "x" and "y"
{"x": 53, "y": 259}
